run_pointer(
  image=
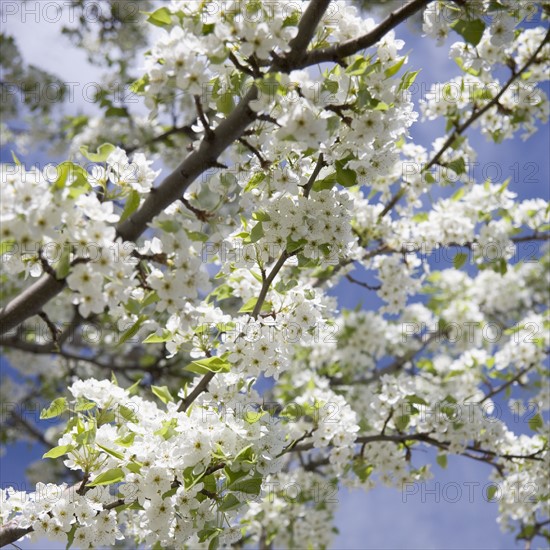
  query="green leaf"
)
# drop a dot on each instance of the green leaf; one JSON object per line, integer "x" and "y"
{"x": 132, "y": 203}
{"x": 345, "y": 176}
{"x": 210, "y": 364}
{"x": 254, "y": 181}
{"x": 15, "y": 159}
{"x": 114, "y": 475}
{"x": 127, "y": 413}
{"x": 88, "y": 436}
{"x": 151, "y": 298}
{"x": 251, "y": 304}
{"x": 401, "y": 422}
{"x": 293, "y": 19}
{"x": 458, "y": 194}
{"x": 138, "y": 86}
{"x": 331, "y": 86}
{"x": 253, "y": 416}
{"x": 458, "y": 166}
{"x": 442, "y": 460}
{"x": 504, "y": 186}
{"x": 358, "y": 67}
{"x": 457, "y": 142}
{"x": 261, "y": 216}
{"x": 232, "y": 476}
{"x": 362, "y": 470}
{"x": 416, "y": 400}
{"x": 421, "y": 217}
{"x": 248, "y": 485}
{"x": 225, "y": 103}
{"x": 491, "y": 491}
{"x": 501, "y": 266}
{"x": 134, "y": 467}
{"x": 155, "y": 338}
{"x": 133, "y": 389}
{"x": 285, "y": 286}
{"x": 205, "y": 534}
{"x": 459, "y": 260}
{"x": 111, "y": 452}
{"x": 83, "y": 404}
{"x": 70, "y": 536}
{"x": 160, "y": 18}
{"x": 132, "y": 331}
{"x": 63, "y": 266}
{"x": 482, "y": 94}
{"x": 529, "y": 530}
{"x": 256, "y": 276}
{"x": 57, "y": 407}
{"x": 58, "y": 451}
{"x": 73, "y": 175}
{"x": 536, "y": 422}
{"x": 245, "y": 455}
{"x": 208, "y": 28}
{"x": 222, "y": 292}
{"x": 470, "y": 70}
{"x": 103, "y": 151}
{"x": 257, "y": 232}
{"x": 408, "y": 79}
{"x": 380, "y": 105}
{"x": 163, "y": 393}
{"x": 326, "y": 183}
{"x": 230, "y": 502}
{"x": 394, "y": 69}
{"x": 116, "y": 112}
{"x": 197, "y": 236}
{"x": 471, "y": 30}
{"x": 292, "y": 246}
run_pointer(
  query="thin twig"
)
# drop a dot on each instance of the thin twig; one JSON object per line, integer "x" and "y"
{"x": 264, "y": 163}
{"x": 361, "y": 283}
{"x": 318, "y": 167}
{"x": 208, "y": 132}
{"x": 507, "y": 384}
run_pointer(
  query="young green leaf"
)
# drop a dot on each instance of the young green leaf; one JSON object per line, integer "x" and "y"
{"x": 163, "y": 393}
{"x": 160, "y": 18}
{"x": 58, "y": 451}
{"x": 459, "y": 260}
{"x": 114, "y": 475}
{"x": 210, "y": 364}
{"x": 103, "y": 152}
{"x": 471, "y": 30}
{"x": 57, "y": 407}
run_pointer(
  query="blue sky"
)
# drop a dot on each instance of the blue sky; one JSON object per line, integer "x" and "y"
{"x": 384, "y": 518}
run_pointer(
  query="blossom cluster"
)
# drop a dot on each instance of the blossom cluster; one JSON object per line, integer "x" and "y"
{"x": 316, "y": 190}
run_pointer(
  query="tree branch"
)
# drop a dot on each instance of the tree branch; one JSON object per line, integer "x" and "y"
{"x": 318, "y": 167}
{"x": 9, "y": 533}
{"x": 338, "y": 52}
{"x": 185, "y": 130}
{"x": 306, "y": 29}
{"x": 33, "y": 298}
{"x": 507, "y": 384}
{"x": 361, "y": 283}
{"x": 427, "y": 438}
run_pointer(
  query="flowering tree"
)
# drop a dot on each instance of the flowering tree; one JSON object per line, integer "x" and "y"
{"x": 210, "y": 373}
